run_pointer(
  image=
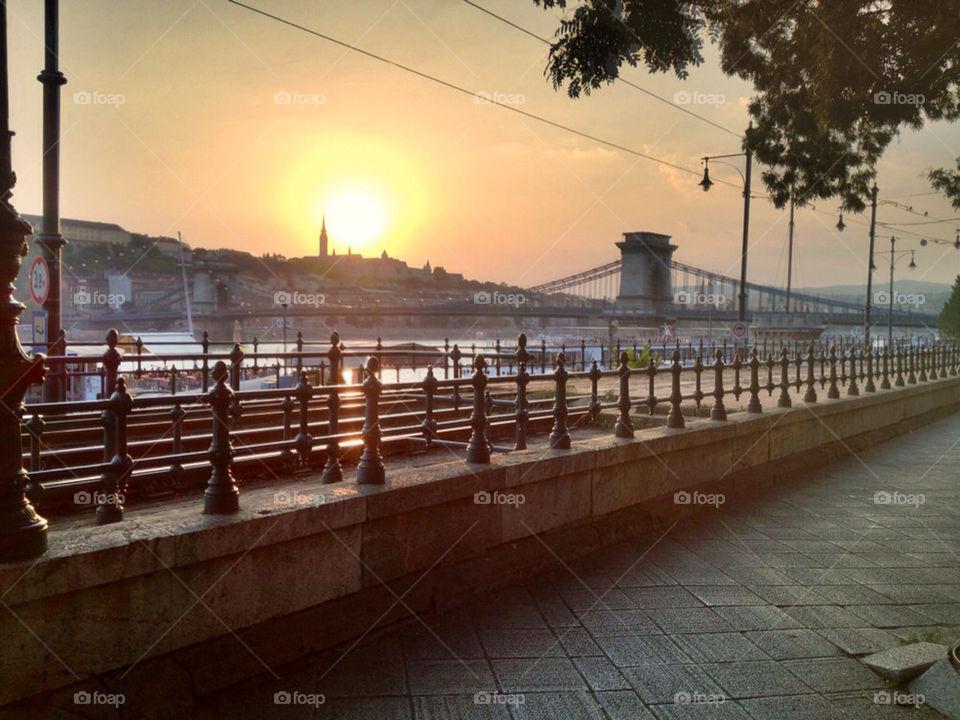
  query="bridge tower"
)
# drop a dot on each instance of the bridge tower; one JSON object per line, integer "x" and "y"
{"x": 646, "y": 262}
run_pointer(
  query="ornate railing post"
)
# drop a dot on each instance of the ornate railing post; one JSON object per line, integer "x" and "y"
{"x": 922, "y": 354}
{"x": 429, "y": 424}
{"x": 885, "y": 370}
{"x": 810, "y": 396}
{"x": 899, "y": 358}
{"x": 698, "y": 375}
{"x": 594, "y": 375}
{"x": 303, "y": 392}
{"x": 719, "y": 412}
{"x": 205, "y": 368}
{"x": 523, "y": 379}
{"x": 221, "y": 496}
{"x": 624, "y": 426}
{"x": 833, "y": 393}
{"x": 455, "y": 356}
{"x": 176, "y": 416}
{"x": 299, "y": 352}
{"x": 287, "y": 461}
{"x": 934, "y": 356}
{"x": 370, "y": 470}
{"x": 911, "y": 365}
{"x": 869, "y": 386}
{"x": 35, "y": 427}
{"x": 114, "y": 479}
{"x": 139, "y": 345}
{"x": 753, "y": 404}
{"x": 853, "y": 388}
{"x": 111, "y": 362}
{"x": 675, "y": 417}
{"x": 236, "y": 357}
{"x": 478, "y": 449}
{"x": 737, "y": 367}
{"x": 559, "y": 435}
{"x": 784, "y": 399}
{"x": 332, "y": 470}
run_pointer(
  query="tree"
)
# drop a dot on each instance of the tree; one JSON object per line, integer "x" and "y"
{"x": 834, "y": 80}
{"x": 948, "y": 182}
{"x": 949, "y": 319}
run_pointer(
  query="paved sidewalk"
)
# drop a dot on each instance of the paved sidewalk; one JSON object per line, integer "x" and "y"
{"x": 757, "y": 609}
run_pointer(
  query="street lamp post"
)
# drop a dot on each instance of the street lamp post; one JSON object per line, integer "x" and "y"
{"x": 706, "y": 184}
{"x": 286, "y": 362}
{"x": 894, "y": 256}
{"x": 23, "y": 533}
{"x": 50, "y": 240}
{"x": 873, "y": 234}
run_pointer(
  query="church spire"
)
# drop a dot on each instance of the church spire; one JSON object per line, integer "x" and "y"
{"x": 323, "y": 236}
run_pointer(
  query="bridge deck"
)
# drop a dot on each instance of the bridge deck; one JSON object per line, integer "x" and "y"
{"x": 764, "y": 603}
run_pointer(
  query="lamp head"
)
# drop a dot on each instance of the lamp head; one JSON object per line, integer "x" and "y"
{"x": 706, "y": 183}
{"x": 840, "y": 223}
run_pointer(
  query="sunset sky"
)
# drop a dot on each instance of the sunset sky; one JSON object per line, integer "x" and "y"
{"x": 203, "y": 142}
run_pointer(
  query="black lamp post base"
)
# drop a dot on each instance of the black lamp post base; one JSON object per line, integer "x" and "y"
{"x": 24, "y": 535}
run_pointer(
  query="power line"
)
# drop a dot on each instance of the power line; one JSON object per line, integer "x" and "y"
{"x": 634, "y": 85}
{"x": 465, "y": 91}
{"x": 854, "y": 221}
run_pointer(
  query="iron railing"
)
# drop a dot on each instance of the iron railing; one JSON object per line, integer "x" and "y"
{"x": 103, "y": 452}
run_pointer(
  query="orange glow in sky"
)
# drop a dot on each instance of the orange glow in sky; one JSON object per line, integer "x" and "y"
{"x": 240, "y": 132}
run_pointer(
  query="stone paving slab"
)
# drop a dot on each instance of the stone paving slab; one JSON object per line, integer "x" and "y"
{"x": 760, "y": 609}
{"x": 901, "y": 664}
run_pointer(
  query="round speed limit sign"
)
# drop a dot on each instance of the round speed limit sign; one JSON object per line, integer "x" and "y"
{"x": 39, "y": 280}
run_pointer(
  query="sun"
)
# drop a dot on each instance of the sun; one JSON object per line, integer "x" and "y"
{"x": 355, "y": 218}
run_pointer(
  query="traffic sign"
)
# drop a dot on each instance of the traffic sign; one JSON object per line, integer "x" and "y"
{"x": 39, "y": 280}
{"x": 739, "y": 329}
{"x": 39, "y": 331}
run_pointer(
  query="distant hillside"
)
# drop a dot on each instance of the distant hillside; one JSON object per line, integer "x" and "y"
{"x": 935, "y": 294}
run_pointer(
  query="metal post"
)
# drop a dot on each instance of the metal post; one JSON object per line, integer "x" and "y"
{"x": 790, "y": 254}
{"x": 332, "y": 470}
{"x": 753, "y": 404}
{"x": 742, "y": 299}
{"x": 675, "y": 416}
{"x": 523, "y": 378}
{"x": 559, "y": 435}
{"x": 719, "y": 412}
{"x": 50, "y": 240}
{"x": 852, "y": 388}
{"x": 893, "y": 241}
{"x": 110, "y": 505}
{"x": 221, "y": 496}
{"x": 303, "y": 393}
{"x": 429, "y": 424}
{"x": 811, "y": 395}
{"x": 370, "y": 470}
{"x": 873, "y": 232}
{"x": 833, "y": 393}
{"x": 478, "y": 449}
{"x": 784, "y": 399}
